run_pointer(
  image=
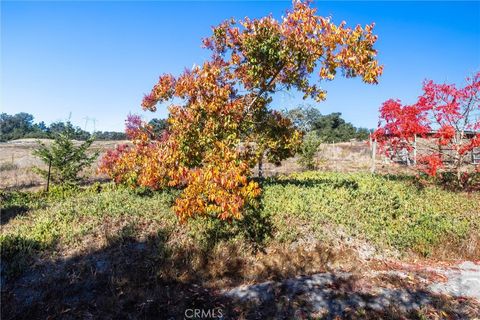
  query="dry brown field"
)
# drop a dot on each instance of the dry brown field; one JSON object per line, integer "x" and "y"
{"x": 17, "y": 161}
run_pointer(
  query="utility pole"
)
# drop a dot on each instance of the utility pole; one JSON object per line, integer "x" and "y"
{"x": 87, "y": 119}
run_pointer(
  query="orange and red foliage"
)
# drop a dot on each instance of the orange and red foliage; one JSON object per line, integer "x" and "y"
{"x": 220, "y": 124}
{"x": 453, "y": 113}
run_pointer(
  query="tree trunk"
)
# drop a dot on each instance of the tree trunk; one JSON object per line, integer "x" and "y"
{"x": 48, "y": 175}
{"x": 459, "y": 158}
{"x": 260, "y": 167}
{"x": 459, "y": 172}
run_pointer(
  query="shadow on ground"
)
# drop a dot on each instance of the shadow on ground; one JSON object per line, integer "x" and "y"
{"x": 335, "y": 183}
{"x": 126, "y": 280}
{"x": 132, "y": 279}
{"x": 10, "y": 212}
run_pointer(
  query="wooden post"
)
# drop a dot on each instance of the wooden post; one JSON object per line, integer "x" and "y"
{"x": 48, "y": 175}
{"x": 335, "y": 156}
{"x": 415, "y": 150}
{"x": 374, "y": 155}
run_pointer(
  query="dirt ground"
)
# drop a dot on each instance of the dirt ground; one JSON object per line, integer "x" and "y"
{"x": 407, "y": 291}
{"x": 101, "y": 285}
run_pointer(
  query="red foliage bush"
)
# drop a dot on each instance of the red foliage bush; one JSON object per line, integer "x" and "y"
{"x": 452, "y": 113}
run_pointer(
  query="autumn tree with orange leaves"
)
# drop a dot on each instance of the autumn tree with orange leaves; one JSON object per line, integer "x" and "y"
{"x": 220, "y": 125}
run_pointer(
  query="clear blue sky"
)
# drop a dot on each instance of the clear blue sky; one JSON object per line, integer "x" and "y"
{"x": 97, "y": 59}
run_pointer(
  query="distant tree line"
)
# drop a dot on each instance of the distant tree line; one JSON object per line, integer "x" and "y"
{"x": 328, "y": 128}
{"x": 22, "y": 125}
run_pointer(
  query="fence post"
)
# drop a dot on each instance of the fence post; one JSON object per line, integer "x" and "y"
{"x": 48, "y": 175}
{"x": 415, "y": 150}
{"x": 374, "y": 155}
